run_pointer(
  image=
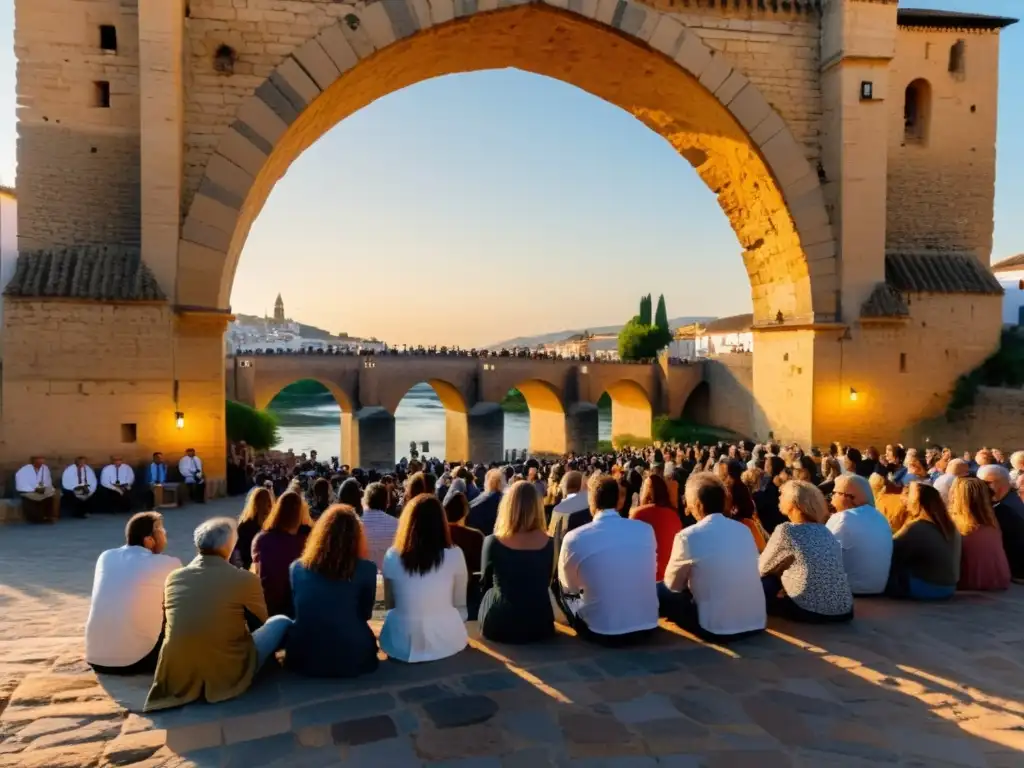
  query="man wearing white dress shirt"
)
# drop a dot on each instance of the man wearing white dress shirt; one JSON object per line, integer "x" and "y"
{"x": 607, "y": 572}
{"x": 116, "y": 481}
{"x": 191, "y": 468}
{"x": 35, "y": 487}
{"x": 79, "y": 485}
{"x": 124, "y": 631}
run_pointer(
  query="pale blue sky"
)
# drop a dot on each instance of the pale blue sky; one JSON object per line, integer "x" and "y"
{"x": 517, "y": 201}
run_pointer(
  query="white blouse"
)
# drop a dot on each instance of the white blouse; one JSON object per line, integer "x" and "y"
{"x": 427, "y": 622}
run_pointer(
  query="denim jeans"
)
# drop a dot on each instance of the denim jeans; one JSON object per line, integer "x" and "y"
{"x": 270, "y": 638}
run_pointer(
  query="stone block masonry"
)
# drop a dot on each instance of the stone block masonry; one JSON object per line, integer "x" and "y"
{"x": 83, "y": 154}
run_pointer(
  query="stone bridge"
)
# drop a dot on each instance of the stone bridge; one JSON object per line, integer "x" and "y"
{"x": 562, "y": 397}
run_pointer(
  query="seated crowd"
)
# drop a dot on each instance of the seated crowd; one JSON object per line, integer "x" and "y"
{"x": 714, "y": 543}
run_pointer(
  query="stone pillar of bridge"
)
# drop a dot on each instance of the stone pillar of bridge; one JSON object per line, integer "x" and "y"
{"x": 486, "y": 433}
{"x": 581, "y": 428}
{"x": 369, "y": 438}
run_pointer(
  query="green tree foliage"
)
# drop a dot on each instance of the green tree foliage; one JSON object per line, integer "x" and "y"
{"x": 638, "y": 341}
{"x": 515, "y": 402}
{"x": 645, "y": 310}
{"x": 257, "y": 428}
{"x": 1003, "y": 368}
{"x": 661, "y": 315}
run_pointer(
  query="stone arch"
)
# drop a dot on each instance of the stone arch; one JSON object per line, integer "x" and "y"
{"x": 456, "y": 417}
{"x": 269, "y": 387}
{"x": 698, "y": 405}
{"x": 627, "y": 53}
{"x": 547, "y": 417}
{"x": 632, "y": 412}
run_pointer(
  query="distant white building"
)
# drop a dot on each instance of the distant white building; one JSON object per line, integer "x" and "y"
{"x": 1010, "y": 274}
{"x": 725, "y": 335}
{"x": 684, "y": 342}
{"x": 603, "y": 346}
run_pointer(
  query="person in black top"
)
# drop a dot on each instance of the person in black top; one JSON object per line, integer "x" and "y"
{"x": 518, "y": 561}
{"x": 1009, "y": 509}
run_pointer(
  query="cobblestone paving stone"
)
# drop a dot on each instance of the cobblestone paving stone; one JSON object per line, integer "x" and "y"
{"x": 928, "y": 686}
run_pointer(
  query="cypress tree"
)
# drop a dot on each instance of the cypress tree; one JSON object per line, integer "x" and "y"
{"x": 661, "y": 316}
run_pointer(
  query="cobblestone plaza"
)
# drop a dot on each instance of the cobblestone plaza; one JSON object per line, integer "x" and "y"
{"x": 904, "y": 685}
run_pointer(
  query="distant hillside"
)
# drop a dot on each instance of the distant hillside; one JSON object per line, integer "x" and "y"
{"x": 548, "y": 338}
{"x": 306, "y": 331}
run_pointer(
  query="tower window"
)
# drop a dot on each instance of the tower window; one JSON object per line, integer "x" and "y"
{"x": 917, "y": 112}
{"x": 101, "y": 94}
{"x": 956, "y": 57}
{"x": 108, "y": 37}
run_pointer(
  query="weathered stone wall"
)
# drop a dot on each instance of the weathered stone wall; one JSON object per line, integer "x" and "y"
{"x": 776, "y": 50}
{"x": 941, "y": 188}
{"x": 79, "y": 163}
{"x": 730, "y": 378}
{"x": 75, "y": 372}
{"x": 996, "y": 420}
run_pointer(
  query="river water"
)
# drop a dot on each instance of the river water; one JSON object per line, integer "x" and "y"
{"x": 314, "y": 423}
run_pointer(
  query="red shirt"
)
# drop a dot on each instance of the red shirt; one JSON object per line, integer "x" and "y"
{"x": 666, "y": 524}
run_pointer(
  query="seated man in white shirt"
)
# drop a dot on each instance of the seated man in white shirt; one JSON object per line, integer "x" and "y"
{"x": 864, "y": 534}
{"x": 712, "y": 583}
{"x": 191, "y": 468}
{"x": 606, "y": 572}
{"x": 115, "y": 492}
{"x": 35, "y": 487}
{"x": 79, "y": 485}
{"x": 124, "y": 631}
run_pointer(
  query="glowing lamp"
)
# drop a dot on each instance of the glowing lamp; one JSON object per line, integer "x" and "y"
{"x": 179, "y": 420}
{"x": 853, "y": 393}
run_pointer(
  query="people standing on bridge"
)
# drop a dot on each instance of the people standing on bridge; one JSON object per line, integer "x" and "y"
{"x": 191, "y": 468}
{"x": 35, "y": 486}
{"x": 116, "y": 481}
{"x": 79, "y": 486}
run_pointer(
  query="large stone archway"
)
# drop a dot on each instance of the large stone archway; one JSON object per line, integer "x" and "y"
{"x": 627, "y": 53}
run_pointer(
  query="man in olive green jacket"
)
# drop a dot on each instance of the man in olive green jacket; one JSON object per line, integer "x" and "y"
{"x": 210, "y": 606}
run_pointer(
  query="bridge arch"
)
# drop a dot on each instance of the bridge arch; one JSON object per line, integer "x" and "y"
{"x": 548, "y": 421}
{"x": 456, "y": 416}
{"x": 269, "y": 387}
{"x": 629, "y": 54}
{"x": 632, "y": 411}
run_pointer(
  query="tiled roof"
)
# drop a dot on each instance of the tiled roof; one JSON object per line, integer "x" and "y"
{"x": 922, "y": 17}
{"x": 884, "y": 301}
{"x": 930, "y": 272}
{"x": 100, "y": 273}
{"x": 731, "y": 324}
{"x": 1012, "y": 264}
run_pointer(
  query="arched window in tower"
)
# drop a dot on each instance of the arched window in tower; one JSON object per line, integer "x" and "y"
{"x": 917, "y": 106}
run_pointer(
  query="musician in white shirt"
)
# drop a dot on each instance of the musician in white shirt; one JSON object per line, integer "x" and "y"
{"x": 79, "y": 485}
{"x": 35, "y": 487}
{"x": 116, "y": 482}
{"x": 191, "y": 468}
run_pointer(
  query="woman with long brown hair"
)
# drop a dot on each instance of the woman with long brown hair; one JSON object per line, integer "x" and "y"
{"x": 333, "y": 589}
{"x": 926, "y": 550}
{"x": 983, "y": 563}
{"x": 277, "y": 547}
{"x": 425, "y": 580}
{"x": 255, "y": 513}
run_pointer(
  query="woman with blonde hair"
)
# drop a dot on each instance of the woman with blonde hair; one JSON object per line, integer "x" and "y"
{"x": 983, "y": 563}
{"x": 255, "y": 513}
{"x": 518, "y": 562}
{"x": 334, "y": 586}
{"x": 889, "y": 500}
{"x": 802, "y": 566}
{"x": 925, "y": 550}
